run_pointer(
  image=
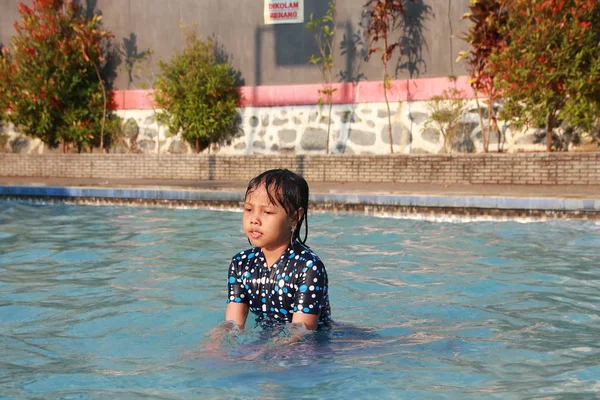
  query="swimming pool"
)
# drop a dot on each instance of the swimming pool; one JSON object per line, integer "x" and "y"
{"x": 111, "y": 302}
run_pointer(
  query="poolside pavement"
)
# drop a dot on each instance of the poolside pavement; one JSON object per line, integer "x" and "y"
{"x": 573, "y": 198}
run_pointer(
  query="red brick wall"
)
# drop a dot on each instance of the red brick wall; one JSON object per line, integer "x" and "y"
{"x": 525, "y": 168}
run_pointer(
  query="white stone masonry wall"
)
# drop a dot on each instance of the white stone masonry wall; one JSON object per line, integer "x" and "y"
{"x": 355, "y": 129}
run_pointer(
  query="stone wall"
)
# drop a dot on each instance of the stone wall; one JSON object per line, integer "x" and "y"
{"x": 525, "y": 168}
{"x": 360, "y": 129}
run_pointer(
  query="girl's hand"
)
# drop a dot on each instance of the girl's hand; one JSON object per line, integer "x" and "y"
{"x": 291, "y": 335}
{"x": 219, "y": 334}
{"x": 295, "y": 332}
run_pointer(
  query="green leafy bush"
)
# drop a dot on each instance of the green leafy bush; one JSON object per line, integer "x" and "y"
{"x": 445, "y": 114}
{"x": 197, "y": 94}
{"x": 50, "y": 75}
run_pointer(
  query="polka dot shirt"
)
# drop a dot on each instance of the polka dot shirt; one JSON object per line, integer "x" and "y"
{"x": 297, "y": 282}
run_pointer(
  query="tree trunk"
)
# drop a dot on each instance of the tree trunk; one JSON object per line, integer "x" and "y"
{"x": 103, "y": 123}
{"x": 387, "y": 103}
{"x": 490, "y": 124}
{"x": 549, "y": 129}
{"x": 494, "y": 128}
{"x": 446, "y": 141}
{"x": 329, "y": 122}
{"x": 385, "y": 84}
{"x": 197, "y": 145}
{"x": 485, "y": 131}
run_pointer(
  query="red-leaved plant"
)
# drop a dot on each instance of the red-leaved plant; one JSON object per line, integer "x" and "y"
{"x": 50, "y": 75}
{"x": 548, "y": 65}
{"x": 383, "y": 18}
{"x": 485, "y": 38}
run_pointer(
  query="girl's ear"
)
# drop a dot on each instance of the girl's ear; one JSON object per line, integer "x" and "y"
{"x": 298, "y": 215}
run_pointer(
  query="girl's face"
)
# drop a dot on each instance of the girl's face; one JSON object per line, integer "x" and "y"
{"x": 267, "y": 225}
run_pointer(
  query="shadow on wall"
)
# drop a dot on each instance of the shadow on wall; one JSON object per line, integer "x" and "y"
{"x": 89, "y": 8}
{"x": 561, "y": 142}
{"x": 355, "y": 51}
{"x": 412, "y": 40}
{"x": 133, "y": 57}
{"x": 223, "y": 56}
{"x": 293, "y": 43}
{"x": 353, "y": 48}
{"x": 19, "y": 144}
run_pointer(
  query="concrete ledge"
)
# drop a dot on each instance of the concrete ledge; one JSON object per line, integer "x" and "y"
{"x": 498, "y": 203}
{"x": 445, "y": 202}
{"x": 121, "y": 193}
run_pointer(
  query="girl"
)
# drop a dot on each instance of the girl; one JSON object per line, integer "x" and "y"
{"x": 280, "y": 279}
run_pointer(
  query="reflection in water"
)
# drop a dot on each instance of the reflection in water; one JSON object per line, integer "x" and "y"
{"x": 285, "y": 343}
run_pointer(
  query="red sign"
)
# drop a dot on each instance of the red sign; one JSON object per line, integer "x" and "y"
{"x": 284, "y": 12}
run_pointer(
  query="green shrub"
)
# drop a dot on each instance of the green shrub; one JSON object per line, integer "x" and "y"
{"x": 50, "y": 74}
{"x": 445, "y": 114}
{"x": 197, "y": 95}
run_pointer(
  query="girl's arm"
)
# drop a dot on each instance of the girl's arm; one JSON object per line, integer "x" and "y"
{"x": 237, "y": 312}
{"x": 309, "y": 320}
{"x": 310, "y": 296}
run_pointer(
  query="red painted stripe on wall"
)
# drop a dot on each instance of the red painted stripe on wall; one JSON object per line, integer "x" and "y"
{"x": 133, "y": 99}
{"x": 295, "y": 95}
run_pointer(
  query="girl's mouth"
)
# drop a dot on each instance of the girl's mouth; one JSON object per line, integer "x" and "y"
{"x": 255, "y": 234}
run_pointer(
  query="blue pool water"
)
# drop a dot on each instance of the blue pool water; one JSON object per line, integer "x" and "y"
{"x": 111, "y": 302}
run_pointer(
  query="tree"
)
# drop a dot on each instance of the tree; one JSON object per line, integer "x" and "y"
{"x": 50, "y": 75}
{"x": 485, "y": 37}
{"x": 548, "y": 66}
{"x": 197, "y": 95}
{"x": 323, "y": 30}
{"x": 383, "y": 17}
{"x": 3, "y": 78}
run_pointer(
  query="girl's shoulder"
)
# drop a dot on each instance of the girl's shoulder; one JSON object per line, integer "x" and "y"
{"x": 306, "y": 253}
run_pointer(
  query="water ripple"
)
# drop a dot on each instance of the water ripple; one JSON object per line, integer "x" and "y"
{"x": 101, "y": 302}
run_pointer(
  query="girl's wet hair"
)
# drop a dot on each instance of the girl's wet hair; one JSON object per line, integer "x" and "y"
{"x": 287, "y": 189}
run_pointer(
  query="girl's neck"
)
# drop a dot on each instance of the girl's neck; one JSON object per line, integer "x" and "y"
{"x": 273, "y": 255}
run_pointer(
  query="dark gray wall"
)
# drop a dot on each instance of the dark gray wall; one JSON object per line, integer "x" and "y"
{"x": 272, "y": 54}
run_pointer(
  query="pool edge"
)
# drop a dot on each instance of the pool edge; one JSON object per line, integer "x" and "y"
{"x": 390, "y": 205}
